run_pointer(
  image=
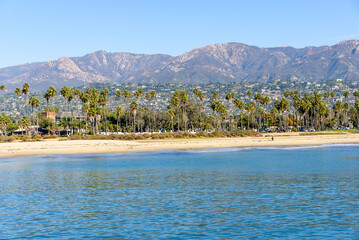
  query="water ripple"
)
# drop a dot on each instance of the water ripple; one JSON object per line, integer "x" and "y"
{"x": 255, "y": 193}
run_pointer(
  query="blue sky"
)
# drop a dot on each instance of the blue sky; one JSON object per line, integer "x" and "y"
{"x": 45, "y": 30}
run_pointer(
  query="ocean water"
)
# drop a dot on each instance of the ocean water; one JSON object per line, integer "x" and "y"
{"x": 233, "y": 193}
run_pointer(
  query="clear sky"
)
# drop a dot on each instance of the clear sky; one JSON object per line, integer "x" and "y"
{"x": 34, "y": 30}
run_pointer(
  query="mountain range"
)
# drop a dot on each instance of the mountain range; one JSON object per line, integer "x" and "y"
{"x": 229, "y": 62}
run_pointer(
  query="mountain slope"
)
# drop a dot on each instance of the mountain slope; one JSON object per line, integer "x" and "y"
{"x": 230, "y": 62}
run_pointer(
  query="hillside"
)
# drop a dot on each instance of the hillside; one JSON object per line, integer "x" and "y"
{"x": 229, "y": 62}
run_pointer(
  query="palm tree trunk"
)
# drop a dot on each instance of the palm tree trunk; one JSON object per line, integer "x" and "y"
{"x": 72, "y": 120}
{"x": 85, "y": 124}
{"x": 117, "y": 124}
{"x": 37, "y": 124}
{"x": 178, "y": 118}
{"x": 240, "y": 115}
{"x": 3, "y": 96}
{"x": 105, "y": 118}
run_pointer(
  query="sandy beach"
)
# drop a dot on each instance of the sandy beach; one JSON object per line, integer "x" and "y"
{"x": 17, "y": 149}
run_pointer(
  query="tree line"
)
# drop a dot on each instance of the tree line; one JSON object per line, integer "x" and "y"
{"x": 316, "y": 111}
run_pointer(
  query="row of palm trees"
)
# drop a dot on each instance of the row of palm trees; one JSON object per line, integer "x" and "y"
{"x": 316, "y": 111}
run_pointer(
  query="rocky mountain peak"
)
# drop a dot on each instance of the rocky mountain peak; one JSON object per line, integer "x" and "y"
{"x": 228, "y": 62}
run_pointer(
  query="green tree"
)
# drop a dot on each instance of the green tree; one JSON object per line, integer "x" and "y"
{"x": 176, "y": 102}
{"x": 18, "y": 92}
{"x": 171, "y": 113}
{"x": 103, "y": 103}
{"x": 119, "y": 112}
{"x": 240, "y": 105}
{"x": 134, "y": 107}
{"x": 184, "y": 101}
{"x": 25, "y": 91}
{"x": 2, "y": 88}
{"x": 86, "y": 109}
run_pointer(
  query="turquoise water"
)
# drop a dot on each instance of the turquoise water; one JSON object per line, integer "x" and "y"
{"x": 290, "y": 192}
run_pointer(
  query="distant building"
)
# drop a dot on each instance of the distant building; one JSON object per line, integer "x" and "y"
{"x": 49, "y": 115}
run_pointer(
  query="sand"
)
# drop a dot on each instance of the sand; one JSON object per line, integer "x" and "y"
{"x": 17, "y": 149}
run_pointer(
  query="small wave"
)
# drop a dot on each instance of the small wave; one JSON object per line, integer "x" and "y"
{"x": 238, "y": 149}
{"x": 216, "y": 150}
{"x": 309, "y": 146}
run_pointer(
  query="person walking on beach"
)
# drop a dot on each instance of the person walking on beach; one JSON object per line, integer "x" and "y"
{"x": 272, "y": 138}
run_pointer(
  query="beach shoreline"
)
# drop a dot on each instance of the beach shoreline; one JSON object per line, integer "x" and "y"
{"x": 20, "y": 149}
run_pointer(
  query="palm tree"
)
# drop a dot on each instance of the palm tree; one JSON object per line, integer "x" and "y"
{"x": 305, "y": 106}
{"x": 118, "y": 94}
{"x": 228, "y": 96}
{"x": 332, "y": 94}
{"x": 249, "y": 93}
{"x": 47, "y": 98}
{"x": 265, "y": 102}
{"x": 215, "y": 95}
{"x": 200, "y": 96}
{"x": 138, "y": 95}
{"x": 346, "y": 94}
{"x": 18, "y": 92}
{"x": 284, "y": 107}
{"x": 171, "y": 113}
{"x": 25, "y": 122}
{"x": 2, "y": 88}
{"x": 77, "y": 93}
{"x": 248, "y": 107}
{"x": 37, "y": 105}
{"x": 91, "y": 114}
{"x": 176, "y": 102}
{"x": 103, "y": 102}
{"x": 286, "y": 94}
{"x": 273, "y": 114}
{"x": 323, "y": 109}
{"x": 98, "y": 114}
{"x": 25, "y": 91}
{"x": 52, "y": 91}
{"x": 86, "y": 109}
{"x": 184, "y": 101}
{"x": 134, "y": 107}
{"x": 153, "y": 96}
{"x": 346, "y": 110}
{"x": 338, "y": 110}
{"x": 85, "y": 99}
{"x": 32, "y": 103}
{"x": 257, "y": 98}
{"x": 119, "y": 112}
{"x": 70, "y": 96}
{"x": 127, "y": 96}
{"x": 240, "y": 105}
{"x": 327, "y": 95}
{"x": 64, "y": 92}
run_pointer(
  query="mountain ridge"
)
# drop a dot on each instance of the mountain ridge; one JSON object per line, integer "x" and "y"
{"x": 228, "y": 62}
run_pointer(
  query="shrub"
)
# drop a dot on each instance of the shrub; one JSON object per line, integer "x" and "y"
{"x": 7, "y": 139}
{"x": 169, "y": 135}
